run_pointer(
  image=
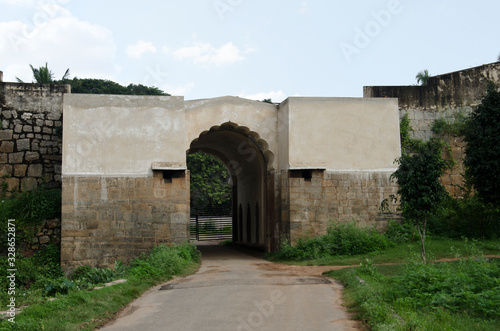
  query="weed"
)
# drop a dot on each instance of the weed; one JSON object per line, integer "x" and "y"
{"x": 341, "y": 239}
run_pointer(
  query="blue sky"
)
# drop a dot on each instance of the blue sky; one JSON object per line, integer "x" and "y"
{"x": 255, "y": 49}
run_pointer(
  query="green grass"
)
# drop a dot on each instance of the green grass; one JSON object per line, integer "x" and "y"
{"x": 436, "y": 249}
{"x": 87, "y": 310}
{"x": 390, "y": 289}
{"x": 443, "y": 296}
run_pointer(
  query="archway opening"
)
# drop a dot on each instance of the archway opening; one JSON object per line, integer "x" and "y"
{"x": 246, "y": 158}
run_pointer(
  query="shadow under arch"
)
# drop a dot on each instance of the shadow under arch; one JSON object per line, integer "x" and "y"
{"x": 250, "y": 162}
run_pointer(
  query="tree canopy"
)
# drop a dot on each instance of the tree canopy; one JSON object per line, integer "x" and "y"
{"x": 210, "y": 187}
{"x": 482, "y": 153}
{"x": 103, "y": 86}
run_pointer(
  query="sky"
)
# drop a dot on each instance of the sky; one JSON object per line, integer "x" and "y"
{"x": 254, "y": 49}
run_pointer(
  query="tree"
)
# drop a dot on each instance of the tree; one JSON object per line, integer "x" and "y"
{"x": 482, "y": 153}
{"x": 103, "y": 86}
{"x": 210, "y": 187}
{"x": 44, "y": 75}
{"x": 420, "y": 190}
{"x": 423, "y": 77}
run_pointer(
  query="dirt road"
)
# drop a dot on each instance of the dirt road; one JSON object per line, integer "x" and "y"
{"x": 236, "y": 291}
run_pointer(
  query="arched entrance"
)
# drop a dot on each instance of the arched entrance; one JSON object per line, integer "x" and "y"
{"x": 246, "y": 156}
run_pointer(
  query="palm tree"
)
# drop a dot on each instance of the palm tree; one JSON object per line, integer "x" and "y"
{"x": 44, "y": 75}
{"x": 423, "y": 77}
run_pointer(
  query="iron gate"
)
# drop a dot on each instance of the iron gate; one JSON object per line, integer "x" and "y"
{"x": 211, "y": 227}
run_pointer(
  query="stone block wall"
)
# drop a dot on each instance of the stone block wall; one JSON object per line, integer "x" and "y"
{"x": 444, "y": 97}
{"x": 111, "y": 218}
{"x": 335, "y": 196}
{"x": 49, "y": 232}
{"x": 30, "y": 135}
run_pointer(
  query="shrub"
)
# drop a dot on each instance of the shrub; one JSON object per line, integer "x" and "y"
{"x": 164, "y": 261}
{"x": 482, "y": 155}
{"x": 468, "y": 217}
{"x": 341, "y": 239}
{"x": 399, "y": 232}
{"x": 28, "y": 209}
{"x": 60, "y": 285}
{"x": 470, "y": 286}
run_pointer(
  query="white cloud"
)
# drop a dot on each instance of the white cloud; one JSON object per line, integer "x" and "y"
{"x": 204, "y": 53}
{"x": 57, "y": 37}
{"x": 136, "y": 50}
{"x": 178, "y": 90}
{"x": 304, "y": 7}
{"x": 275, "y": 96}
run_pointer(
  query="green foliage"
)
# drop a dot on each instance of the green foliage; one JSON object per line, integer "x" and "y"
{"x": 33, "y": 206}
{"x": 461, "y": 295}
{"x": 418, "y": 178}
{"x": 28, "y": 209}
{"x": 341, "y": 239}
{"x": 102, "y": 86}
{"x": 164, "y": 261}
{"x": 399, "y": 232}
{"x": 420, "y": 190}
{"x": 471, "y": 286}
{"x": 466, "y": 217}
{"x": 33, "y": 273}
{"x": 452, "y": 126}
{"x": 86, "y": 276}
{"x": 210, "y": 187}
{"x": 43, "y": 75}
{"x": 60, "y": 285}
{"x": 482, "y": 155}
{"x": 404, "y": 131}
{"x": 267, "y": 101}
{"x": 423, "y": 77}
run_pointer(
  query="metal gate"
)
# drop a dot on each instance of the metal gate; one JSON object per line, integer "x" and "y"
{"x": 211, "y": 227}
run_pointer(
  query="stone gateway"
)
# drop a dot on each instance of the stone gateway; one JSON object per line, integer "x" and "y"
{"x": 294, "y": 167}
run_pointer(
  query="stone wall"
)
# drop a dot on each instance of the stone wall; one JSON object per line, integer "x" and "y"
{"x": 445, "y": 97}
{"x": 117, "y": 218}
{"x": 318, "y": 197}
{"x": 49, "y": 232}
{"x": 31, "y": 135}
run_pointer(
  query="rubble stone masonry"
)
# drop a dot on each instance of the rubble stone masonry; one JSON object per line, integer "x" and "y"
{"x": 30, "y": 135}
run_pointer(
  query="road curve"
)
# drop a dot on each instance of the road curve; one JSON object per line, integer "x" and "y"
{"x": 236, "y": 291}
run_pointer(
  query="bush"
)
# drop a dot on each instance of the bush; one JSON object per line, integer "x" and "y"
{"x": 470, "y": 286}
{"x": 60, "y": 285}
{"x": 341, "y": 239}
{"x": 482, "y": 152}
{"x": 28, "y": 209}
{"x": 460, "y": 295}
{"x": 468, "y": 217}
{"x": 164, "y": 261}
{"x": 399, "y": 232}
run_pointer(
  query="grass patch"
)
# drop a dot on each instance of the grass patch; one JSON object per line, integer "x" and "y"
{"x": 78, "y": 309}
{"x": 342, "y": 239}
{"x": 462, "y": 295}
{"x": 436, "y": 248}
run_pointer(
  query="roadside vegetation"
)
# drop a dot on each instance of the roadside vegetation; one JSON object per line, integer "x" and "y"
{"x": 460, "y": 295}
{"x": 51, "y": 301}
{"x": 394, "y": 286}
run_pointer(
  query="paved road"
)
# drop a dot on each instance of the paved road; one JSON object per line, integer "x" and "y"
{"x": 236, "y": 291}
